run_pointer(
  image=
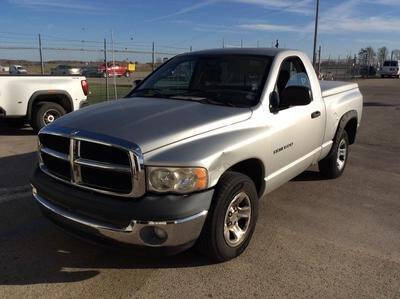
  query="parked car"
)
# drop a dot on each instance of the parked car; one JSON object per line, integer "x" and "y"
{"x": 65, "y": 70}
{"x": 41, "y": 99}
{"x": 91, "y": 71}
{"x": 116, "y": 70}
{"x": 17, "y": 70}
{"x": 186, "y": 156}
{"x": 391, "y": 68}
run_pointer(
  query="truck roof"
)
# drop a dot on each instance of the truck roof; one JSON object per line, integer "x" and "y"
{"x": 243, "y": 51}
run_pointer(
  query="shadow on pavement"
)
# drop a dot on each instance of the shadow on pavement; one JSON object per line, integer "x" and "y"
{"x": 309, "y": 175}
{"x": 14, "y": 128}
{"x": 376, "y": 104}
{"x": 15, "y": 170}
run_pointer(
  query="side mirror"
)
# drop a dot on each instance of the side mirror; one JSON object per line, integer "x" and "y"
{"x": 136, "y": 82}
{"x": 274, "y": 102}
{"x": 295, "y": 96}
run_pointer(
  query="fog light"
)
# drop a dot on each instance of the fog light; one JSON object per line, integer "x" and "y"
{"x": 153, "y": 235}
{"x": 160, "y": 233}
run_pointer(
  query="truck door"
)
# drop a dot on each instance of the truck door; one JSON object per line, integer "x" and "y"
{"x": 297, "y": 127}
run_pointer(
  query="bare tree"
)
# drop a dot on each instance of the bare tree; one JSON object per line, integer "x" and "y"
{"x": 367, "y": 59}
{"x": 382, "y": 54}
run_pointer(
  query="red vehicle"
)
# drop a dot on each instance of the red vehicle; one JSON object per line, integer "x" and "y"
{"x": 116, "y": 70}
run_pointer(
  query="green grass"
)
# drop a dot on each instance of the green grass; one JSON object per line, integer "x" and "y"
{"x": 98, "y": 92}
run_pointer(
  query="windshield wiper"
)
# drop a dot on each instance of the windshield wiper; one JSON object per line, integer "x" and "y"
{"x": 156, "y": 92}
{"x": 207, "y": 97}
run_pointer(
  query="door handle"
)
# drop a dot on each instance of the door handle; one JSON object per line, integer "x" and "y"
{"x": 315, "y": 114}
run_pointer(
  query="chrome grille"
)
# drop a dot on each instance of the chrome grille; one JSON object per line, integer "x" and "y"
{"x": 92, "y": 161}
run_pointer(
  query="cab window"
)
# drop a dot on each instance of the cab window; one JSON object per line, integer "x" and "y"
{"x": 293, "y": 87}
{"x": 292, "y": 73}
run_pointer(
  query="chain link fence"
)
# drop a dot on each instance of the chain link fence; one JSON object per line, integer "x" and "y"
{"x": 110, "y": 66}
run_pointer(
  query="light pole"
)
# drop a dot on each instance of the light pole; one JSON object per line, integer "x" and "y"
{"x": 315, "y": 35}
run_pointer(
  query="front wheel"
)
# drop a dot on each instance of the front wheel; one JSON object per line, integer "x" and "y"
{"x": 232, "y": 218}
{"x": 45, "y": 114}
{"x": 333, "y": 166}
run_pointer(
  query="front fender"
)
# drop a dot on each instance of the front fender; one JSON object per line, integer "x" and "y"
{"x": 216, "y": 151}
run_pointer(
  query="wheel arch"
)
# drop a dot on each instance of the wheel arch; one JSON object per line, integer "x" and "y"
{"x": 60, "y": 97}
{"x": 348, "y": 123}
{"x": 253, "y": 168}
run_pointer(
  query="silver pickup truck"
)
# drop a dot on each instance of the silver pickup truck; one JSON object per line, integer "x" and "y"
{"x": 186, "y": 156}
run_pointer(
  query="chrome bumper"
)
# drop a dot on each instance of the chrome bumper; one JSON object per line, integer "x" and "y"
{"x": 141, "y": 233}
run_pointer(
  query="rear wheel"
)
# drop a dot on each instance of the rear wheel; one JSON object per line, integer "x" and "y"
{"x": 232, "y": 218}
{"x": 333, "y": 166}
{"x": 45, "y": 114}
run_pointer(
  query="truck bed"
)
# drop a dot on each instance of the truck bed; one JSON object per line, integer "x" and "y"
{"x": 329, "y": 88}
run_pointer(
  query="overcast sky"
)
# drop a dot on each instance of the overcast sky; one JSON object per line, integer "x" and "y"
{"x": 345, "y": 25}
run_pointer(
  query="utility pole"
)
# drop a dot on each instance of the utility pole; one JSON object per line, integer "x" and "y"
{"x": 113, "y": 58}
{"x": 223, "y": 43}
{"x": 319, "y": 61}
{"x": 277, "y": 44}
{"x": 41, "y": 56}
{"x": 152, "y": 56}
{"x": 258, "y": 44}
{"x": 315, "y": 34}
{"x": 241, "y": 43}
{"x": 106, "y": 66}
{"x": 191, "y": 49}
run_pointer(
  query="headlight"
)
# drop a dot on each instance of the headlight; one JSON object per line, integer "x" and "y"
{"x": 179, "y": 180}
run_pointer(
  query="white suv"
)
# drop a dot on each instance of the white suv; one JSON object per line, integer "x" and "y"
{"x": 391, "y": 69}
{"x": 17, "y": 70}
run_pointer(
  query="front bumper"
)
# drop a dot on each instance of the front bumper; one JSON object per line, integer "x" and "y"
{"x": 153, "y": 221}
{"x": 171, "y": 233}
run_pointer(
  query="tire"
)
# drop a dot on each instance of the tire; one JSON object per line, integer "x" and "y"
{"x": 333, "y": 166}
{"x": 224, "y": 216}
{"x": 46, "y": 113}
{"x": 382, "y": 76}
{"x": 127, "y": 75}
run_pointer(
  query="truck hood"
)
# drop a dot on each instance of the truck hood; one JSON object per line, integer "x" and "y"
{"x": 152, "y": 122}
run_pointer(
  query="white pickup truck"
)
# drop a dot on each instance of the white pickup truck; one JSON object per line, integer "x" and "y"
{"x": 39, "y": 100}
{"x": 187, "y": 155}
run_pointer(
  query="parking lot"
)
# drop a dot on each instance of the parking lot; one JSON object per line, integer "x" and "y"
{"x": 314, "y": 237}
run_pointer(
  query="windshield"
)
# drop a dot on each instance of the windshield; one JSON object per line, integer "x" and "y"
{"x": 232, "y": 80}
